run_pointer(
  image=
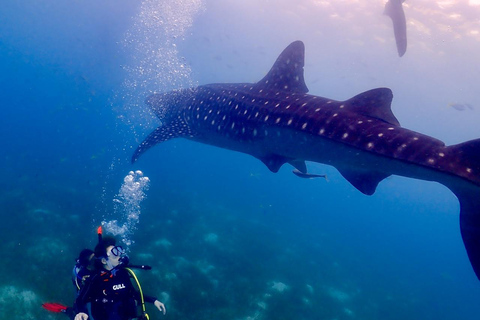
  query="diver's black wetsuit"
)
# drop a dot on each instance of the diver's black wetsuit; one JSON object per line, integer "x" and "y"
{"x": 112, "y": 296}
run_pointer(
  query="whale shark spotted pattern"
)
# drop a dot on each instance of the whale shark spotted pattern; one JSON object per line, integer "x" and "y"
{"x": 278, "y": 122}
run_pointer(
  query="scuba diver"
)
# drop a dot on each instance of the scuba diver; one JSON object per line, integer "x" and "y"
{"x": 110, "y": 291}
{"x": 83, "y": 268}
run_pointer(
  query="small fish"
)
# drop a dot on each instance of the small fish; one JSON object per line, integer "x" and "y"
{"x": 308, "y": 175}
{"x": 460, "y": 106}
{"x": 394, "y": 9}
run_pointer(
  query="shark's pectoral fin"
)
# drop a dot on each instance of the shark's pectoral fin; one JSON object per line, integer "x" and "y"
{"x": 274, "y": 162}
{"x": 163, "y": 133}
{"x": 366, "y": 183}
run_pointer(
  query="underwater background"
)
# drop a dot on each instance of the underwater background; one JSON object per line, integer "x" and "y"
{"x": 228, "y": 239}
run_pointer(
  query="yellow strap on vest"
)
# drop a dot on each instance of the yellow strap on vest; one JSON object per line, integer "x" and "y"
{"x": 134, "y": 276}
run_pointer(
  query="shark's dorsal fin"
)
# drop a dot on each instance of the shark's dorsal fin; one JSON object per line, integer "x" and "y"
{"x": 366, "y": 182}
{"x": 375, "y": 103}
{"x": 287, "y": 72}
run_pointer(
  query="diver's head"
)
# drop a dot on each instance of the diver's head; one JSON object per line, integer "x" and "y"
{"x": 109, "y": 255}
{"x": 85, "y": 259}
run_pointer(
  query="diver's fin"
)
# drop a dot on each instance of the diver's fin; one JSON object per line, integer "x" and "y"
{"x": 54, "y": 307}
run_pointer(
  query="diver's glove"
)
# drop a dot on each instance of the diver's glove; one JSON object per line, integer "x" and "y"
{"x": 81, "y": 316}
{"x": 160, "y": 306}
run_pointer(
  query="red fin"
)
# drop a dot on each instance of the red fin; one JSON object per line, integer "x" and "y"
{"x": 54, "y": 307}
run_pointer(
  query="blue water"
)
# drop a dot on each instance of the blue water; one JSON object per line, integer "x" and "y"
{"x": 228, "y": 239}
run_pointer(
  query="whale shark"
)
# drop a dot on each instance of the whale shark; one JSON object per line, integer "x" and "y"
{"x": 394, "y": 9}
{"x": 278, "y": 122}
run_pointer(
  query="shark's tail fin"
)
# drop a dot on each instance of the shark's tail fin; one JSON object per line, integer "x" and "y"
{"x": 467, "y": 166}
{"x": 164, "y": 105}
{"x": 470, "y": 225}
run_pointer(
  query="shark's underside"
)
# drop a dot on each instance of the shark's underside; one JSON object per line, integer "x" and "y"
{"x": 276, "y": 121}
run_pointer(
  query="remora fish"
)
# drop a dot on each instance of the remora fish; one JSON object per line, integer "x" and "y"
{"x": 276, "y": 121}
{"x": 394, "y": 9}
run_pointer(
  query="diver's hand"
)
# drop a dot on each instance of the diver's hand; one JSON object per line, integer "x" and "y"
{"x": 81, "y": 316}
{"x": 160, "y": 306}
